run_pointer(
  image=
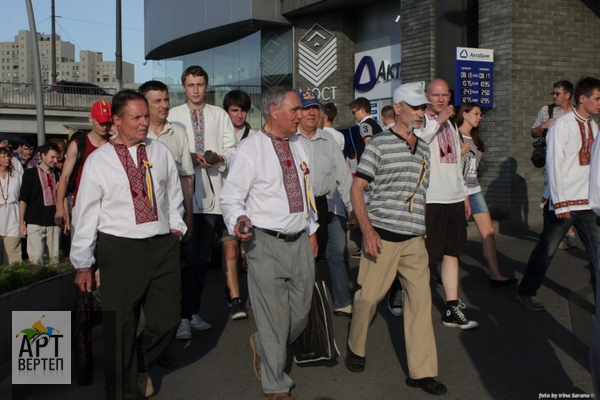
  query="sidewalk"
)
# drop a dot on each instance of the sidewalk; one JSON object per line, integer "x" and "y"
{"x": 514, "y": 354}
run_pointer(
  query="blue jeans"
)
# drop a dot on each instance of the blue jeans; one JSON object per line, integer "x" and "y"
{"x": 199, "y": 248}
{"x": 554, "y": 231}
{"x": 337, "y": 259}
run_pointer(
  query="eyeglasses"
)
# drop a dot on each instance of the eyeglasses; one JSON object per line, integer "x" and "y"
{"x": 354, "y": 111}
{"x": 555, "y": 94}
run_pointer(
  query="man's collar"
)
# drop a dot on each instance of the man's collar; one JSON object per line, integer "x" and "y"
{"x": 195, "y": 109}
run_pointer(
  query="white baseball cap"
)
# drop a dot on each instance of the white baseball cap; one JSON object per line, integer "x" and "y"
{"x": 410, "y": 93}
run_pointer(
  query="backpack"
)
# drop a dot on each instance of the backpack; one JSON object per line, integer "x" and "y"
{"x": 538, "y": 156}
{"x": 81, "y": 143}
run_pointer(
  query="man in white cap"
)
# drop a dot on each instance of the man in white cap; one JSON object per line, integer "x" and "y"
{"x": 396, "y": 165}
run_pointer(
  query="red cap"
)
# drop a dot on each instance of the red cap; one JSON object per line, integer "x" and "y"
{"x": 101, "y": 111}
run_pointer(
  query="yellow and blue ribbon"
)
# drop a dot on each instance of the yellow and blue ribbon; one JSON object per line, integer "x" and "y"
{"x": 150, "y": 186}
{"x": 422, "y": 176}
{"x": 309, "y": 197}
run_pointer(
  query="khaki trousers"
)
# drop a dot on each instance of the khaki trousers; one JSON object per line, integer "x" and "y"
{"x": 42, "y": 241}
{"x": 12, "y": 249}
{"x": 375, "y": 276}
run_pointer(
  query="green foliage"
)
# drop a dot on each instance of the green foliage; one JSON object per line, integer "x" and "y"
{"x": 24, "y": 273}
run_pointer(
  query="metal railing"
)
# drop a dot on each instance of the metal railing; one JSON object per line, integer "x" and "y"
{"x": 14, "y": 94}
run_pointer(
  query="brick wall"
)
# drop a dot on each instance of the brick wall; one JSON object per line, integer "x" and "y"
{"x": 418, "y": 40}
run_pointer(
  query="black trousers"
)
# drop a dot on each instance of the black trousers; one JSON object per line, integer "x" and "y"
{"x": 137, "y": 274}
{"x": 323, "y": 220}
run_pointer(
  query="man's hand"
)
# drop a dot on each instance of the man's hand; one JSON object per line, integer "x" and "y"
{"x": 84, "y": 281}
{"x": 445, "y": 114}
{"x": 351, "y": 220}
{"x": 59, "y": 217}
{"x": 23, "y": 230}
{"x": 198, "y": 159}
{"x": 547, "y": 124}
{"x": 315, "y": 244}
{"x": 242, "y": 228}
{"x": 189, "y": 222}
{"x": 372, "y": 243}
{"x": 565, "y": 216}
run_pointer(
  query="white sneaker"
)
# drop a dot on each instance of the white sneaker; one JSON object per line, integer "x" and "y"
{"x": 184, "y": 332}
{"x": 198, "y": 324}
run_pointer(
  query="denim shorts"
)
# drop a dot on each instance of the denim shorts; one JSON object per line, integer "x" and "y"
{"x": 478, "y": 204}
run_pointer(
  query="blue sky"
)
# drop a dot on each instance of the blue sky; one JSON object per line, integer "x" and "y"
{"x": 89, "y": 25}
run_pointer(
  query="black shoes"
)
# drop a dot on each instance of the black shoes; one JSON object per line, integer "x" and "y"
{"x": 394, "y": 299}
{"x": 238, "y": 311}
{"x": 498, "y": 284}
{"x": 353, "y": 362}
{"x": 428, "y": 385}
{"x": 454, "y": 318}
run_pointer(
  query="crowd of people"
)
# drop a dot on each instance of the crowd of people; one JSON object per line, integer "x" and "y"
{"x": 144, "y": 193}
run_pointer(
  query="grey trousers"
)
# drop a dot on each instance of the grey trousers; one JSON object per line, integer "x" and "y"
{"x": 281, "y": 278}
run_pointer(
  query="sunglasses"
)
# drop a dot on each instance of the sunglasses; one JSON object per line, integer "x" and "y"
{"x": 555, "y": 94}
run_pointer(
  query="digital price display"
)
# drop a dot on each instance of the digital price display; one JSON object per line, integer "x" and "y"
{"x": 474, "y": 77}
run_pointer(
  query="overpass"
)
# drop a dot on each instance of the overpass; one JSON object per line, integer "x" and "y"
{"x": 65, "y": 113}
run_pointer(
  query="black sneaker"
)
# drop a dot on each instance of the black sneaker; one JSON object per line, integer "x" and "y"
{"x": 227, "y": 298}
{"x": 395, "y": 295}
{"x": 454, "y": 318}
{"x": 238, "y": 311}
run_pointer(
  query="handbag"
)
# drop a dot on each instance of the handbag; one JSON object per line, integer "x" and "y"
{"x": 316, "y": 342}
{"x": 538, "y": 155}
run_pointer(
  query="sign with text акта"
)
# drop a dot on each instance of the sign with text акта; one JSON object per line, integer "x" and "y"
{"x": 474, "y": 77}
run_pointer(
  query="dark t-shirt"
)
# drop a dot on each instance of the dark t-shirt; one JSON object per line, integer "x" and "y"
{"x": 31, "y": 193}
{"x": 367, "y": 128}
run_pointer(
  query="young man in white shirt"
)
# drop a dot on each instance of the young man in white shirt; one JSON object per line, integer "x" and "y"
{"x": 570, "y": 140}
{"x": 212, "y": 143}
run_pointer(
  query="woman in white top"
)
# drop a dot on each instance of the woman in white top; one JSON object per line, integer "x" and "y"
{"x": 10, "y": 186}
{"x": 472, "y": 148}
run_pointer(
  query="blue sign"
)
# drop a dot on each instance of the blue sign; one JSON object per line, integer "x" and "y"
{"x": 474, "y": 77}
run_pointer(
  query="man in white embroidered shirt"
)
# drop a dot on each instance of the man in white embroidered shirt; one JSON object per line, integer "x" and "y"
{"x": 570, "y": 140}
{"x": 130, "y": 193}
{"x": 267, "y": 204}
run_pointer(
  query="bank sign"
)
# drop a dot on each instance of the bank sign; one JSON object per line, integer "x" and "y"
{"x": 474, "y": 77}
{"x": 377, "y": 72}
{"x": 41, "y": 347}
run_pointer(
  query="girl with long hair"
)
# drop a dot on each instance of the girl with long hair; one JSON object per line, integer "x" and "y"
{"x": 468, "y": 119}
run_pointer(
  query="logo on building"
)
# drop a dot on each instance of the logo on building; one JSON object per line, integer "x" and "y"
{"x": 276, "y": 60}
{"x": 317, "y": 51}
{"x": 41, "y": 353}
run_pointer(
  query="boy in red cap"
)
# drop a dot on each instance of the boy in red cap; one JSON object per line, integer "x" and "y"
{"x": 79, "y": 149}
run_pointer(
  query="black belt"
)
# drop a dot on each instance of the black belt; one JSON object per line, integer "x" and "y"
{"x": 292, "y": 237}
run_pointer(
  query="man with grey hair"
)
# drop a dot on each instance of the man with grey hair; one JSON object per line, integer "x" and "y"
{"x": 267, "y": 203}
{"x": 396, "y": 164}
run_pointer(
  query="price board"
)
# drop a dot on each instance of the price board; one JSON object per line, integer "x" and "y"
{"x": 474, "y": 77}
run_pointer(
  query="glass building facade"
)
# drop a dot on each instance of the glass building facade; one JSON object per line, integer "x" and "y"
{"x": 262, "y": 59}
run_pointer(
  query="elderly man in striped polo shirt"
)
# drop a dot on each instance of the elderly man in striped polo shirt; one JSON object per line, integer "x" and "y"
{"x": 396, "y": 164}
